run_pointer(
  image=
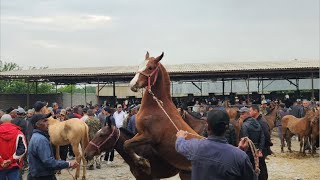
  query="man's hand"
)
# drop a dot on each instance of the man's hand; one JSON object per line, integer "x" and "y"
{"x": 259, "y": 153}
{"x": 5, "y": 163}
{"x": 74, "y": 164}
{"x": 182, "y": 133}
{"x": 243, "y": 144}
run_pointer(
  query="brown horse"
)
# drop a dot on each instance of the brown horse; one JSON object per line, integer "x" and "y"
{"x": 198, "y": 125}
{"x": 315, "y": 131}
{"x": 300, "y": 126}
{"x": 72, "y": 131}
{"x": 234, "y": 116}
{"x": 152, "y": 123}
{"x": 272, "y": 116}
{"x": 110, "y": 137}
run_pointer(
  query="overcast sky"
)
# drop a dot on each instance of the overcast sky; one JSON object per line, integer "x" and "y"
{"x": 78, "y": 33}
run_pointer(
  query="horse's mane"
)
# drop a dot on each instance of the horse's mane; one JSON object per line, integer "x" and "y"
{"x": 126, "y": 132}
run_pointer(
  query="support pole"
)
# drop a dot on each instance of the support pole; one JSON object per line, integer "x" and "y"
{"x": 248, "y": 87}
{"x": 312, "y": 87}
{"x": 114, "y": 92}
{"x": 28, "y": 93}
{"x": 262, "y": 88}
{"x": 201, "y": 88}
{"x": 85, "y": 93}
{"x": 36, "y": 87}
{"x": 231, "y": 86}
{"x": 297, "y": 85}
{"x": 56, "y": 88}
{"x": 171, "y": 88}
{"x": 98, "y": 91}
{"x": 258, "y": 85}
{"x": 223, "y": 89}
{"x": 71, "y": 95}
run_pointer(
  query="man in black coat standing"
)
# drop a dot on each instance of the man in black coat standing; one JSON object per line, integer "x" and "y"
{"x": 251, "y": 129}
{"x": 254, "y": 112}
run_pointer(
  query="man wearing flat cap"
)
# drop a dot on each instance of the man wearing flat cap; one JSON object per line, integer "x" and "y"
{"x": 42, "y": 164}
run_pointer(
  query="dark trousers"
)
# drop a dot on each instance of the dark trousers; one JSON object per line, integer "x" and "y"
{"x": 263, "y": 169}
{"x": 262, "y": 166}
{"x": 70, "y": 150}
{"x": 51, "y": 177}
{"x": 63, "y": 151}
{"x": 111, "y": 153}
{"x": 11, "y": 174}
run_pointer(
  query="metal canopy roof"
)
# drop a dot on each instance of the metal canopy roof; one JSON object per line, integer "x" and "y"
{"x": 190, "y": 72}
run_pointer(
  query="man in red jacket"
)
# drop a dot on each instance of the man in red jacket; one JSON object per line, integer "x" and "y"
{"x": 13, "y": 147}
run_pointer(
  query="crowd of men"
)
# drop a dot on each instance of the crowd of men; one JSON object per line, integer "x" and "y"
{"x": 19, "y": 128}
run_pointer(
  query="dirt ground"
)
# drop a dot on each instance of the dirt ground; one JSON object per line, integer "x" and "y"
{"x": 281, "y": 166}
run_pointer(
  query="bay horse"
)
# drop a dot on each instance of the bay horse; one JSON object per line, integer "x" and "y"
{"x": 234, "y": 116}
{"x": 110, "y": 137}
{"x": 315, "y": 131}
{"x": 72, "y": 131}
{"x": 157, "y": 125}
{"x": 299, "y": 126}
{"x": 198, "y": 125}
{"x": 272, "y": 116}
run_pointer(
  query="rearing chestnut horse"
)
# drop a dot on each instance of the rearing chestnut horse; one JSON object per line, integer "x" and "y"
{"x": 153, "y": 126}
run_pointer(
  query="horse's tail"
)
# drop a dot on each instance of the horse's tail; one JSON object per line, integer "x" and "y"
{"x": 85, "y": 138}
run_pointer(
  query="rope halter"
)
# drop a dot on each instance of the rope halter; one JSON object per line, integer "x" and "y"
{"x": 114, "y": 129}
{"x": 156, "y": 72}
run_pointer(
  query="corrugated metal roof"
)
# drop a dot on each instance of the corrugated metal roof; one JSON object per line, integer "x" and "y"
{"x": 180, "y": 68}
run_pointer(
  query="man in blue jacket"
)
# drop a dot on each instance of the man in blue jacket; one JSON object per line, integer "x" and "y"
{"x": 42, "y": 164}
{"x": 213, "y": 158}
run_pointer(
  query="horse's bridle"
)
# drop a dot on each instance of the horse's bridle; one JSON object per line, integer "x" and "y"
{"x": 109, "y": 137}
{"x": 155, "y": 71}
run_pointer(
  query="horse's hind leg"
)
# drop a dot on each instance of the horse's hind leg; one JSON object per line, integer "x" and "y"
{"x": 288, "y": 139}
{"x": 302, "y": 141}
{"x": 84, "y": 161}
{"x": 138, "y": 140}
{"x": 283, "y": 137}
{"x": 75, "y": 148}
{"x": 57, "y": 152}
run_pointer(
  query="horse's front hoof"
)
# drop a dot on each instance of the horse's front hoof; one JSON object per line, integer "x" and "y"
{"x": 144, "y": 165}
{"x": 84, "y": 178}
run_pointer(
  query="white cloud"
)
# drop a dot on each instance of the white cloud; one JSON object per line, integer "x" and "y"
{"x": 68, "y": 22}
{"x": 44, "y": 44}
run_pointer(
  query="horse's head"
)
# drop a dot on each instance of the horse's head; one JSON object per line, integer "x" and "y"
{"x": 104, "y": 140}
{"x": 315, "y": 120}
{"x": 147, "y": 73}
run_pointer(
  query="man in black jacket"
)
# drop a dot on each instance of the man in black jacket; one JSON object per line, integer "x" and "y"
{"x": 254, "y": 112}
{"x": 251, "y": 129}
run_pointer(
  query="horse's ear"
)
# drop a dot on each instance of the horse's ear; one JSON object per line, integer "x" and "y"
{"x": 147, "y": 56}
{"x": 159, "y": 57}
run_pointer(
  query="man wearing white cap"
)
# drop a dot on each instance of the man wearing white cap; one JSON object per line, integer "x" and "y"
{"x": 13, "y": 147}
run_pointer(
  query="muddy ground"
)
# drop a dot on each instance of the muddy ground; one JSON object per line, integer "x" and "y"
{"x": 281, "y": 166}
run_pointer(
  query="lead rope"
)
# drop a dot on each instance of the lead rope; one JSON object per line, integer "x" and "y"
{"x": 70, "y": 174}
{"x": 160, "y": 104}
{"x": 255, "y": 156}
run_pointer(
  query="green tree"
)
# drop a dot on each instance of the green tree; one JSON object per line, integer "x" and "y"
{"x": 20, "y": 86}
{"x": 77, "y": 89}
